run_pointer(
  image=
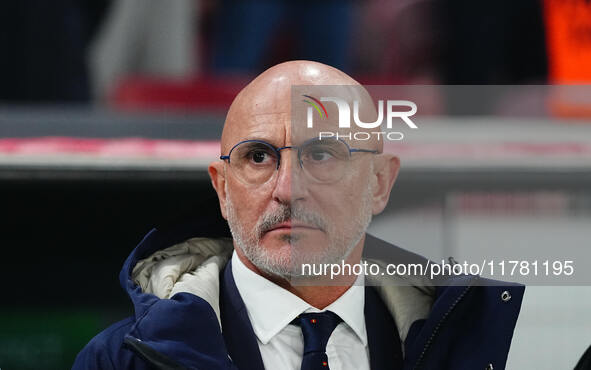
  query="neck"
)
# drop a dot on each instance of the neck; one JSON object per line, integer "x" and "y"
{"x": 310, "y": 290}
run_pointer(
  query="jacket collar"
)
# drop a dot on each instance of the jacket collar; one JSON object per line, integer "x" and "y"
{"x": 159, "y": 239}
{"x": 236, "y": 327}
{"x": 421, "y": 291}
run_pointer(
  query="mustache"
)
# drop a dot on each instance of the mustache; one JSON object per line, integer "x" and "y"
{"x": 288, "y": 213}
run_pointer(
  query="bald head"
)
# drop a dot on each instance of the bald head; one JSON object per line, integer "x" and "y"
{"x": 269, "y": 95}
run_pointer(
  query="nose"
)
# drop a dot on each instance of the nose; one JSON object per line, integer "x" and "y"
{"x": 289, "y": 185}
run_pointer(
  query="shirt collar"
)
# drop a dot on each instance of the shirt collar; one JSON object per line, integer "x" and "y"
{"x": 271, "y": 308}
{"x": 350, "y": 308}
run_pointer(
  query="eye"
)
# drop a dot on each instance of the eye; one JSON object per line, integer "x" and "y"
{"x": 319, "y": 155}
{"x": 323, "y": 152}
{"x": 259, "y": 156}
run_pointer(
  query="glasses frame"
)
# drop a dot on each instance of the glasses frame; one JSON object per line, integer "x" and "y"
{"x": 298, "y": 147}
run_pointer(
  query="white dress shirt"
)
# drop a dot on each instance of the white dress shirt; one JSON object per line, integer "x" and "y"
{"x": 271, "y": 309}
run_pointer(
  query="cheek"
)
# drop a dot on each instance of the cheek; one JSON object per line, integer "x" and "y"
{"x": 249, "y": 203}
{"x": 344, "y": 200}
{"x": 339, "y": 202}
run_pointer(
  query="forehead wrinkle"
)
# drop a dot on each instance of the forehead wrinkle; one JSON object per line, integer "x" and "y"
{"x": 273, "y": 133}
{"x": 268, "y": 126}
{"x": 265, "y": 136}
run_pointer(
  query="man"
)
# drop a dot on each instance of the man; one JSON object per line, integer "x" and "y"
{"x": 291, "y": 199}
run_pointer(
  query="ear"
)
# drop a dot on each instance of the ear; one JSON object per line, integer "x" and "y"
{"x": 386, "y": 167}
{"x": 218, "y": 181}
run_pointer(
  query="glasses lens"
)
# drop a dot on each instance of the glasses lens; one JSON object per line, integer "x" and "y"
{"x": 253, "y": 162}
{"x": 325, "y": 160}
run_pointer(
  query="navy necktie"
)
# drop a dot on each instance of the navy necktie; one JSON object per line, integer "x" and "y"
{"x": 317, "y": 328}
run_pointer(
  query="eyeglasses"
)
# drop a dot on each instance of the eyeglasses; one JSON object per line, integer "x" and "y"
{"x": 325, "y": 161}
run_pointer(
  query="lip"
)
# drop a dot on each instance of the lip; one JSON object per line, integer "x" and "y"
{"x": 288, "y": 226}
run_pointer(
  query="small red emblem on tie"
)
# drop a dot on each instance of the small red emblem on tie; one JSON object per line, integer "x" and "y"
{"x": 324, "y": 363}
{"x": 313, "y": 321}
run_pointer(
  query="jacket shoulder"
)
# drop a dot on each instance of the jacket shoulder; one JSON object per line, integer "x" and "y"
{"x": 105, "y": 350}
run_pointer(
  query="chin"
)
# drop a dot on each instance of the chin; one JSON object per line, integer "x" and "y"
{"x": 281, "y": 253}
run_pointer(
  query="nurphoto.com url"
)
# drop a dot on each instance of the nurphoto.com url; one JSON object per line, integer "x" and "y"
{"x": 499, "y": 268}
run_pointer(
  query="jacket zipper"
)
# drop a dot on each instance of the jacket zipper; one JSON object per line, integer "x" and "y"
{"x": 438, "y": 327}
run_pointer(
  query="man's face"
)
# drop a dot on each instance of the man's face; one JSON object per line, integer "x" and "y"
{"x": 292, "y": 219}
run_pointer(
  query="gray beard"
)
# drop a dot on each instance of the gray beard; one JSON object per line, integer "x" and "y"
{"x": 288, "y": 265}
